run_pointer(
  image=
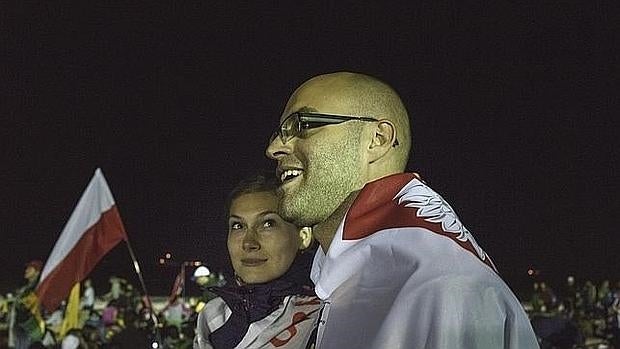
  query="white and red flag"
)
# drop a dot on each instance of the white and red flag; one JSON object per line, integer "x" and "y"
{"x": 93, "y": 229}
{"x": 177, "y": 286}
{"x": 404, "y": 272}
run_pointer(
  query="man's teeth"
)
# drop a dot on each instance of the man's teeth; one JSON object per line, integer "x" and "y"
{"x": 288, "y": 174}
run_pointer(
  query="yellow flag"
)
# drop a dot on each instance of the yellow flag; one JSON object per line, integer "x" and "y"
{"x": 72, "y": 312}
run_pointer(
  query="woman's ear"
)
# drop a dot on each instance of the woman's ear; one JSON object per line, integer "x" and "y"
{"x": 305, "y": 237}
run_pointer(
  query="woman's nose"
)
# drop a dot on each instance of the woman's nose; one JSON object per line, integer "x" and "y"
{"x": 250, "y": 243}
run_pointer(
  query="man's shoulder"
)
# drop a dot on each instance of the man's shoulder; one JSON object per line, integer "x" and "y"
{"x": 401, "y": 202}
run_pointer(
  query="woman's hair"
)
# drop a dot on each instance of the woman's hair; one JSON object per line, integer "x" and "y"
{"x": 257, "y": 183}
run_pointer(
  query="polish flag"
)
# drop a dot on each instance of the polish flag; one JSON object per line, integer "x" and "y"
{"x": 177, "y": 286}
{"x": 93, "y": 229}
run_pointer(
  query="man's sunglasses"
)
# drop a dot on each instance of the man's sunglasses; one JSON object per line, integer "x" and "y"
{"x": 297, "y": 122}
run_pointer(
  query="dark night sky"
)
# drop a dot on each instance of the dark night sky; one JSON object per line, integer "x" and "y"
{"x": 513, "y": 104}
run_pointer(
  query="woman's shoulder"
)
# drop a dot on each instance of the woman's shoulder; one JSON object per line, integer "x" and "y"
{"x": 291, "y": 325}
{"x": 215, "y": 303}
{"x": 214, "y": 314}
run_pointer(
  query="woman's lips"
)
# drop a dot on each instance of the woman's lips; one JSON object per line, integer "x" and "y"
{"x": 252, "y": 262}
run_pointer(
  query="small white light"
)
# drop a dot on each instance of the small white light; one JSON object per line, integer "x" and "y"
{"x": 202, "y": 271}
{"x": 154, "y": 345}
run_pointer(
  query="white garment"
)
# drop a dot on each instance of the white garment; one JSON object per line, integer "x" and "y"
{"x": 70, "y": 342}
{"x": 175, "y": 313}
{"x": 88, "y": 298}
{"x": 289, "y": 326}
{"x": 403, "y": 272}
{"x": 54, "y": 321}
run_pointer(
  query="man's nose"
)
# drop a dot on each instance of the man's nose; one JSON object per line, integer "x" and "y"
{"x": 277, "y": 148}
{"x": 250, "y": 243}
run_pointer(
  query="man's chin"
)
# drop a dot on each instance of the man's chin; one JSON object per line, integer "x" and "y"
{"x": 292, "y": 215}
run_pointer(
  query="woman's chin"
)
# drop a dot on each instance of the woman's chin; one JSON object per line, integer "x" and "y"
{"x": 256, "y": 278}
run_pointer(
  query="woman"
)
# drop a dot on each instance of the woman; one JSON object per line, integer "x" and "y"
{"x": 271, "y": 303}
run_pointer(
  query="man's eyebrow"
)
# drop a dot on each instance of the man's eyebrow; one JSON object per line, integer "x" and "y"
{"x": 307, "y": 109}
{"x": 264, "y": 213}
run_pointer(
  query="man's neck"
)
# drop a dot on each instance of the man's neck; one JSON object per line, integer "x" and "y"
{"x": 325, "y": 231}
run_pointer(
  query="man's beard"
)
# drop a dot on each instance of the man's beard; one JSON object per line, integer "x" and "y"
{"x": 325, "y": 185}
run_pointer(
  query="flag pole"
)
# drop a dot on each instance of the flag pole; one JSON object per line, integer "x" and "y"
{"x": 136, "y": 267}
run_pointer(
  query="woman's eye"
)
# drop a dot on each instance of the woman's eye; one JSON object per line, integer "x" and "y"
{"x": 235, "y": 226}
{"x": 269, "y": 223}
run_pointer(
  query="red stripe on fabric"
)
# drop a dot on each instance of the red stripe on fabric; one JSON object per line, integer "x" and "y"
{"x": 97, "y": 241}
{"x": 375, "y": 209}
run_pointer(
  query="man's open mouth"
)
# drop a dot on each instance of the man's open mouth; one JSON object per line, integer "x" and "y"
{"x": 288, "y": 175}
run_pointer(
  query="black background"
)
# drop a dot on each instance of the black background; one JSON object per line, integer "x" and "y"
{"x": 513, "y": 106}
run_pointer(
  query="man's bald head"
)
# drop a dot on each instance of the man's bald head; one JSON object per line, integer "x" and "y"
{"x": 360, "y": 95}
{"x": 322, "y": 163}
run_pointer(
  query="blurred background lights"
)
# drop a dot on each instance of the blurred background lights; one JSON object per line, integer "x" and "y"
{"x": 202, "y": 271}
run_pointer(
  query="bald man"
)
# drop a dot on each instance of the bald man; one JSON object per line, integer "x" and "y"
{"x": 396, "y": 268}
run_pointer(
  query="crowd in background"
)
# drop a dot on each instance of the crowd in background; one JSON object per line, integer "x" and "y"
{"x": 119, "y": 318}
{"x": 578, "y": 315}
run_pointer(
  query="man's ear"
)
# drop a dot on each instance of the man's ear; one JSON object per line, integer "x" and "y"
{"x": 383, "y": 139}
{"x": 305, "y": 237}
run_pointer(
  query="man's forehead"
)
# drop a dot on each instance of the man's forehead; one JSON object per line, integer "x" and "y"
{"x": 303, "y": 109}
{"x": 316, "y": 99}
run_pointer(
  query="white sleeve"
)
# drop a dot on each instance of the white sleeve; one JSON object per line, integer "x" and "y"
{"x": 201, "y": 339}
{"x": 212, "y": 317}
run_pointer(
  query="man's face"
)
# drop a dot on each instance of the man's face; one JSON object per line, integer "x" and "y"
{"x": 261, "y": 245}
{"x": 321, "y": 167}
{"x": 203, "y": 280}
{"x": 31, "y": 273}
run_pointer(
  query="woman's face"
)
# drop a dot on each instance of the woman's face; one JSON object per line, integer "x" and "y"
{"x": 261, "y": 245}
